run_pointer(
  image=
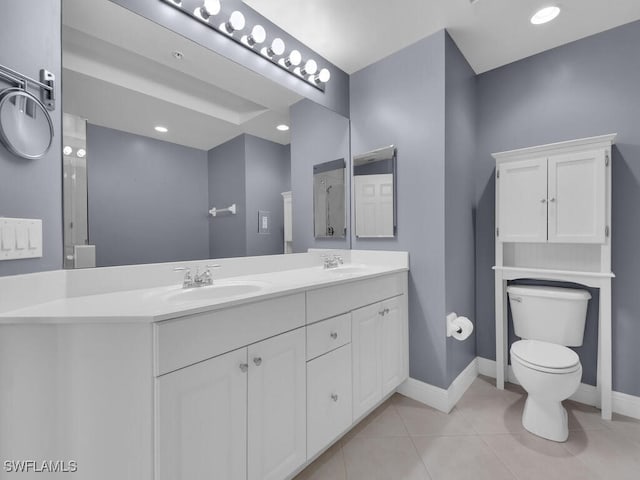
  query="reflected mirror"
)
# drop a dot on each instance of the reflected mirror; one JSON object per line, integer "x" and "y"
{"x": 329, "y": 213}
{"x": 158, "y": 131}
{"x": 374, "y": 187}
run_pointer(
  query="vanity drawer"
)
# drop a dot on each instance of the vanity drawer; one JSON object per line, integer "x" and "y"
{"x": 331, "y": 301}
{"x": 329, "y": 398}
{"x": 187, "y": 340}
{"x": 327, "y": 335}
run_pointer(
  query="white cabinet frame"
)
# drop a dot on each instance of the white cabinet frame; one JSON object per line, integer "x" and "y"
{"x": 599, "y": 254}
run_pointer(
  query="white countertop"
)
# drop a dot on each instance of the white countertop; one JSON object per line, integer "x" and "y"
{"x": 151, "y": 305}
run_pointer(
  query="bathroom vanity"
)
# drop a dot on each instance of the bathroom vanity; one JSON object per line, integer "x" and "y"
{"x": 252, "y": 377}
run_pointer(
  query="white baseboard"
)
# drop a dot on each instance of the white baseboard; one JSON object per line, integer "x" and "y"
{"x": 622, "y": 403}
{"x": 439, "y": 398}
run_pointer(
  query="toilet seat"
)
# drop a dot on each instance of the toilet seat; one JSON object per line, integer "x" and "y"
{"x": 545, "y": 357}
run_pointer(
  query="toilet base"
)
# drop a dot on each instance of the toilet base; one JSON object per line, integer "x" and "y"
{"x": 546, "y": 419}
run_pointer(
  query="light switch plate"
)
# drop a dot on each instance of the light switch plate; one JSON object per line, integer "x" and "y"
{"x": 20, "y": 238}
{"x": 264, "y": 222}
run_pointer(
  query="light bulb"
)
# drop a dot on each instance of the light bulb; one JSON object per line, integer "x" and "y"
{"x": 310, "y": 67}
{"x": 208, "y": 9}
{"x": 545, "y": 15}
{"x": 67, "y": 150}
{"x": 324, "y": 75}
{"x": 81, "y": 153}
{"x": 292, "y": 60}
{"x": 258, "y": 35}
{"x": 236, "y": 22}
{"x": 275, "y": 50}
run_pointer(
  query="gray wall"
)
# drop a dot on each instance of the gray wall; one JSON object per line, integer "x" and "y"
{"x": 227, "y": 233}
{"x": 268, "y": 168}
{"x": 318, "y": 135}
{"x": 460, "y": 143}
{"x": 147, "y": 199}
{"x": 336, "y": 95}
{"x": 400, "y": 100}
{"x": 33, "y": 188}
{"x": 589, "y": 87}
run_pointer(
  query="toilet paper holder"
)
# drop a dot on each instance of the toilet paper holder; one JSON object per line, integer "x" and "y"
{"x": 459, "y": 328}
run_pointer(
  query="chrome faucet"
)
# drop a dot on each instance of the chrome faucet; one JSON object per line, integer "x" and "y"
{"x": 332, "y": 261}
{"x": 199, "y": 279}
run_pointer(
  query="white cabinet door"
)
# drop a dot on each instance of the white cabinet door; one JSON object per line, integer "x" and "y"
{"x": 365, "y": 344}
{"x": 202, "y": 430}
{"x": 522, "y": 201}
{"x": 393, "y": 348}
{"x": 277, "y": 406}
{"x": 329, "y": 410}
{"x": 374, "y": 205}
{"x": 577, "y": 185}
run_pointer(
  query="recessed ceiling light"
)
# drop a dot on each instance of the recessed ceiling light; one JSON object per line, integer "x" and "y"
{"x": 282, "y": 127}
{"x": 545, "y": 15}
{"x": 178, "y": 55}
{"x": 67, "y": 150}
{"x": 81, "y": 153}
{"x": 161, "y": 129}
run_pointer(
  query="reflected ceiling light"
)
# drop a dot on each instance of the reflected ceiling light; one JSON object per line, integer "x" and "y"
{"x": 545, "y": 15}
{"x": 235, "y": 23}
{"x": 282, "y": 127}
{"x": 275, "y": 50}
{"x": 208, "y": 9}
{"x": 161, "y": 129}
{"x": 81, "y": 153}
{"x": 258, "y": 36}
{"x": 67, "y": 150}
{"x": 293, "y": 60}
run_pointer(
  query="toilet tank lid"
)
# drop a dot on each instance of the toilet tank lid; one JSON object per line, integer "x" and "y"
{"x": 549, "y": 292}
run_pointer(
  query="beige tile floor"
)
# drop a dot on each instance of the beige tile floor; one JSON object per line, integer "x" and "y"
{"x": 482, "y": 438}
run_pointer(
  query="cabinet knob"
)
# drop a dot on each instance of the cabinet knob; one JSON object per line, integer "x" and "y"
{"x": 257, "y": 361}
{"x": 381, "y": 312}
{"x": 544, "y": 200}
{"x": 334, "y": 397}
{"x": 552, "y": 200}
{"x": 333, "y": 335}
{"x": 244, "y": 367}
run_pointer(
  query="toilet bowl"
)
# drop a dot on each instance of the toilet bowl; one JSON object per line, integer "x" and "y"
{"x": 550, "y": 373}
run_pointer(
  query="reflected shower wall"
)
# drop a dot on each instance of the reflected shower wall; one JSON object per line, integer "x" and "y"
{"x": 77, "y": 253}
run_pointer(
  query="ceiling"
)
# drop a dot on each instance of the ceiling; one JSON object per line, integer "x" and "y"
{"x": 490, "y": 33}
{"x": 119, "y": 72}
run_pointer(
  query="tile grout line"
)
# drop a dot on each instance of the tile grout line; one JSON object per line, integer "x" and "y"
{"x": 513, "y": 474}
{"x": 415, "y": 448}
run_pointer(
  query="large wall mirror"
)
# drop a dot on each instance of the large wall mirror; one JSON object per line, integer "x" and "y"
{"x": 374, "y": 187}
{"x": 158, "y": 130}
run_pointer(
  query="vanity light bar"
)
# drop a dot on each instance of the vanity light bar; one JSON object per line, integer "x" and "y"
{"x": 234, "y": 28}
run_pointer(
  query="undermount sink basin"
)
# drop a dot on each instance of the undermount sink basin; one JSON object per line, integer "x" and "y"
{"x": 347, "y": 269}
{"x": 216, "y": 291}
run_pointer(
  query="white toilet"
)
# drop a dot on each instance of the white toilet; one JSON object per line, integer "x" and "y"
{"x": 548, "y": 319}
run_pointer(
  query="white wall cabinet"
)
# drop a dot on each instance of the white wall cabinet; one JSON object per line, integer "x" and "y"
{"x": 557, "y": 198}
{"x": 379, "y": 339}
{"x": 236, "y": 416}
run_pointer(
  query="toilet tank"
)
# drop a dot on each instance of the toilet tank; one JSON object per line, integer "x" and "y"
{"x": 550, "y": 314}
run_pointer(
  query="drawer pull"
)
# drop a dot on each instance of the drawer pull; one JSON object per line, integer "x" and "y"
{"x": 244, "y": 367}
{"x": 334, "y": 397}
{"x": 257, "y": 361}
{"x": 334, "y": 335}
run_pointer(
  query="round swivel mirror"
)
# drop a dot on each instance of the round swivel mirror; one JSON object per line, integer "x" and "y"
{"x": 26, "y": 128}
